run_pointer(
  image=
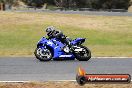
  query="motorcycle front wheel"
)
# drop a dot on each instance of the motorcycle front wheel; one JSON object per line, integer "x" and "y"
{"x": 43, "y": 54}
{"x": 83, "y": 56}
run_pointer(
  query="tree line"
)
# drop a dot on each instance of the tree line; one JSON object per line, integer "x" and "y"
{"x": 95, "y": 4}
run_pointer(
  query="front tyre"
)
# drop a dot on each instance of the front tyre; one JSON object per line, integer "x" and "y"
{"x": 43, "y": 54}
{"x": 84, "y": 55}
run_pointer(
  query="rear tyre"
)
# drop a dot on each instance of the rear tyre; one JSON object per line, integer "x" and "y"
{"x": 43, "y": 55}
{"x": 83, "y": 56}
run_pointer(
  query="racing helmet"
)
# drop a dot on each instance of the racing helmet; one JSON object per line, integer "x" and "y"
{"x": 50, "y": 29}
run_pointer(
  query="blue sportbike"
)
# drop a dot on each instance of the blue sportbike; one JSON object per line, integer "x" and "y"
{"x": 48, "y": 49}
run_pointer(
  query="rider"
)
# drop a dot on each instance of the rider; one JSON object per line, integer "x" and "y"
{"x": 53, "y": 33}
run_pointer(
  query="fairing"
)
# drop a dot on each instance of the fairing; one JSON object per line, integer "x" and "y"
{"x": 56, "y": 46}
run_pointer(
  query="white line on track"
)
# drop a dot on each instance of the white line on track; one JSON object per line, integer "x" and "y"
{"x": 38, "y": 81}
{"x": 92, "y": 57}
{"x": 15, "y": 81}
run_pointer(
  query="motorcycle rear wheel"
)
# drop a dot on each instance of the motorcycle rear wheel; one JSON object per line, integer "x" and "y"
{"x": 82, "y": 57}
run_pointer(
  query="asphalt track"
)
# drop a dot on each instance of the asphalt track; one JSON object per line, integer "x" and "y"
{"x": 98, "y": 13}
{"x": 30, "y": 69}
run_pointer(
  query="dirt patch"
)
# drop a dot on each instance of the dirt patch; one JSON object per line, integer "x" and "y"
{"x": 62, "y": 85}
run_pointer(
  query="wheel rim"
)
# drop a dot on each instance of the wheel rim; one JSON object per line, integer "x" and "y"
{"x": 84, "y": 52}
{"x": 44, "y": 53}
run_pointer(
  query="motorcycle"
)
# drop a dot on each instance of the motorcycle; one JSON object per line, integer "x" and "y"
{"x": 48, "y": 49}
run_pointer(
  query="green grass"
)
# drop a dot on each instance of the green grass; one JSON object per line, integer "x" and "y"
{"x": 106, "y": 36}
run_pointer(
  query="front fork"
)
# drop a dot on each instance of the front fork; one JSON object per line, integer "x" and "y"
{"x": 42, "y": 48}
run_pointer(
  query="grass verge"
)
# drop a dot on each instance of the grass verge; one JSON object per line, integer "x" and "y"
{"x": 107, "y": 35}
